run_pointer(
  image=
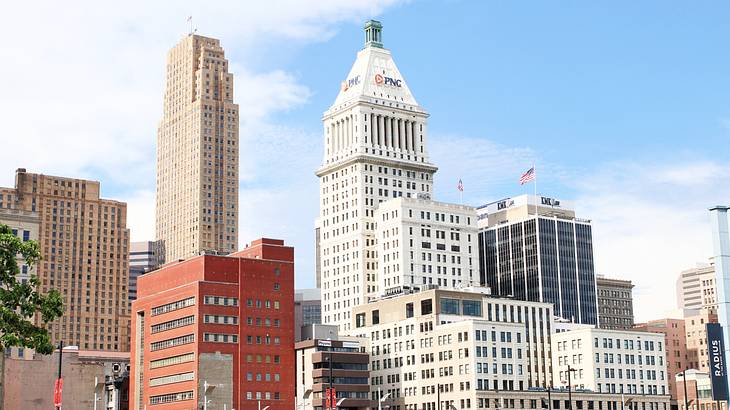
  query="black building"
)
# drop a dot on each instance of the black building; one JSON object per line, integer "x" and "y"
{"x": 539, "y": 253}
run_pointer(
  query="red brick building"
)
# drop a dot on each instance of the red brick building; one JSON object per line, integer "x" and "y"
{"x": 225, "y": 322}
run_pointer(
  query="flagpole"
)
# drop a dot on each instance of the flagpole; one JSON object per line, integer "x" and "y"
{"x": 534, "y": 180}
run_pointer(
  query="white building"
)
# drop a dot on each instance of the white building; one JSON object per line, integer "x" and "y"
{"x": 422, "y": 243}
{"x": 375, "y": 149}
{"x": 454, "y": 346}
{"x": 696, "y": 287}
{"x": 611, "y": 361}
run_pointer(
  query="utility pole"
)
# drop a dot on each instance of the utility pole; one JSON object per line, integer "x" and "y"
{"x": 570, "y": 396}
{"x": 59, "y": 381}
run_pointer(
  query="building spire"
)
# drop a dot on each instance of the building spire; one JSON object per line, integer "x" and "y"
{"x": 373, "y": 34}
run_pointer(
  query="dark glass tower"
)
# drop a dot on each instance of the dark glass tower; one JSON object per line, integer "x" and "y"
{"x": 546, "y": 257}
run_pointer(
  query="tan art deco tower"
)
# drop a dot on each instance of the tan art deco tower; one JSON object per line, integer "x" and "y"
{"x": 197, "y": 153}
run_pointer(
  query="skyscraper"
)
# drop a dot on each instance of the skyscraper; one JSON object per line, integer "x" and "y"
{"x": 144, "y": 257}
{"x": 84, "y": 243}
{"x": 534, "y": 248}
{"x": 197, "y": 153}
{"x": 375, "y": 149}
{"x": 696, "y": 287}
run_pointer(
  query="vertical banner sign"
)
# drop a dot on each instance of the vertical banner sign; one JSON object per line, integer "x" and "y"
{"x": 334, "y": 398}
{"x": 58, "y": 392}
{"x": 718, "y": 371}
{"x": 328, "y": 400}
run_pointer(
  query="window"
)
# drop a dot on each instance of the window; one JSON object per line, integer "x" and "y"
{"x": 169, "y": 361}
{"x": 449, "y": 306}
{"x": 220, "y": 300}
{"x": 375, "y": 317}
{"x": 171, "y": 397}
{"x": 172, "y": 306}
{"x": 175, "y": 378}
{"x": 409, "y": 310}
{"x": 472, "y": 307}
{"x": 173, "y": 324}
{"x": 426, "y": 307}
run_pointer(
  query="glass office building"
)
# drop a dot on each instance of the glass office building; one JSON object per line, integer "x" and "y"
{"x": 533, "y": 248}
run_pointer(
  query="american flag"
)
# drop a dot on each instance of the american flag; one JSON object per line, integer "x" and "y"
{"x": 528, "y": 176}
{"x": 460, "y": 186}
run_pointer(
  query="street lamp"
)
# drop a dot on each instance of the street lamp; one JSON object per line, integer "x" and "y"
{"x": 305, "y": 396}
{"x": 381, "y": 399}
{"x": 206, "y": 386}
{"x": 264, "y": 407}
{"x": 97, "y": 387}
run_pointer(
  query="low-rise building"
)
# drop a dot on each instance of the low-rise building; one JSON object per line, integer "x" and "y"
{"x": 611, "y": 361}
{"x": 423, "y": 243}
{"x": 341, "y": 364}
{"x": 87, "y": 375}
{"x": 453, "y": 347}
{"x": 698, "y": 391}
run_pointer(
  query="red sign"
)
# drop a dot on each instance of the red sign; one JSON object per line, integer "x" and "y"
{"x": 334, "y": 398}
{"x": 58, "y": 392}
{"x": 328, "y": 401}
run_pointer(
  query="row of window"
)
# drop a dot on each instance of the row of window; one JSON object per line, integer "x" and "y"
{"x": 169, "y": 361}
{"x": 173, "y": 324}
{"x": 173, "y": 378}
{"x": 220, "y": 338}
{"x": 177, "y": 341}
{"x": 173, "y": 306}
{"x": 171, "y": 397}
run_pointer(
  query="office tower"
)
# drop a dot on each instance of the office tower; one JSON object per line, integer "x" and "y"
{"x": 535, "y": 248}
{"x": 197, "y": 153}
{"x": 144, "y": 257}
{"x": 615, "y": 303}
{"x": 721, "y": 252}
{"x": 216, "y": 330}
{"x": 84, "y": 244}
{"x": 675, "y": 352}
{"x": 375, "y": 149}
{"x": 473, "y": 345}
{"x": 696, "y": 287}
{"x": 423, "y": 243}
{"x": 307, "y": 310}
{"x": 25, "y": 226}
{"x": 611, "y": 361}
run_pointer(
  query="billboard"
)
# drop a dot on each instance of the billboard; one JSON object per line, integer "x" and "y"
{"x": 716, "y": 352}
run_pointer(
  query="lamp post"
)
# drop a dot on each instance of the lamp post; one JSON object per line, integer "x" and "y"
{"x": 260, "y": 406}
{"x": 305, "y": 396}
{"x": 570, "y": 396}
{"x": 381, "y": 399}
{"x": 686, "y": 399}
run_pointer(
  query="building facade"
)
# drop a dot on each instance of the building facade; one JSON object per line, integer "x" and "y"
{"x": 696, "y": 329}
{"x": 696, "y": 288}
{"x": 721, "y": 252}
{"x": 675, "y": 350}
{"x": 534, "y": 248}
{"x": 216, "y": 329}
{"x": 307, "y": 310}
{"x": 611, "y": 361}
{"x": 615, "y": 303}
{"x": 375, "y": 139}
{"x": 26, "y": 226}
{"x": 197, "y": 153}
{"x": 84, "y": 242}
{"x": 87, "y": 374}
{"x": 424, "y": 243}
{"x": 344, "y": 361}
{"x": 144, "y": 257}
{"x": 453, "y": 346}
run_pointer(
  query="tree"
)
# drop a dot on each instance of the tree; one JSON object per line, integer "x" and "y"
{"x": 21, "y": 303}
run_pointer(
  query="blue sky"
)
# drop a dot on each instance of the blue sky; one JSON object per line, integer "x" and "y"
{"x": 623, "y": 107}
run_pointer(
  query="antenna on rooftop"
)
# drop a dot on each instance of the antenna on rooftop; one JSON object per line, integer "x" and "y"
{"x": 192, "y": 30}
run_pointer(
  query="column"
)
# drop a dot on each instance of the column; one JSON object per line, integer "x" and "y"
{"x": 388, "y": 131}
{"x": 381, "y": 132}
{"x": 401, "y": 134}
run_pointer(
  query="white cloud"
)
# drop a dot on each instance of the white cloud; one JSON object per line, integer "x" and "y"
{"x": 650, "y": 222}
{"x": 83, "y": 85}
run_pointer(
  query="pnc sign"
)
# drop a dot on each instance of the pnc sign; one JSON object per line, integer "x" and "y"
{"x": 349, "y": 83}
{"x": 382, "y": 80}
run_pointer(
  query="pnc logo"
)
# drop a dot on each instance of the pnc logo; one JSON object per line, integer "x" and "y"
{"x": 381, "y": 80}
{"x": 349, "y": 83}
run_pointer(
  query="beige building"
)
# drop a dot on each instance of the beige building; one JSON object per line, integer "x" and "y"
{"x": 611, "y": 361}
{"x": 696, "y": 288}
{"x": 84, "y": 244}
{"x": 25, "y": 225}
{"x": 695, "y": 327}
{"x": 615, "y": 303}
{"x": 453, "y": 347}
{"x": 197, "y": 153}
